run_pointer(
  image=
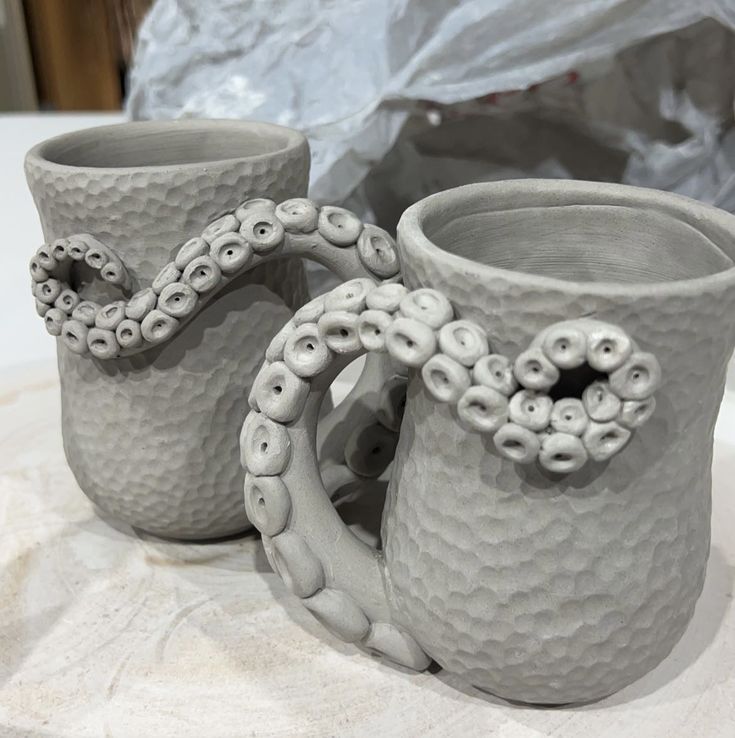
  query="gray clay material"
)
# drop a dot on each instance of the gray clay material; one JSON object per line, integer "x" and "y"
{"x": 172, "y": 258}
{"x": 550, "y": 559}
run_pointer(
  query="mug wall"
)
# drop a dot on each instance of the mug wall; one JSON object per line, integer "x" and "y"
{"x": 152, "y": 439}
{"x": 546, "y": 589}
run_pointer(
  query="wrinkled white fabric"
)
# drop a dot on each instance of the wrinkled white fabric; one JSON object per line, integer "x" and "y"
{"x": 354, "y": 76}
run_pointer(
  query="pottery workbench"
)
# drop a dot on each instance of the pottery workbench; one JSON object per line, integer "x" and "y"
{"x": 105, "y": 631}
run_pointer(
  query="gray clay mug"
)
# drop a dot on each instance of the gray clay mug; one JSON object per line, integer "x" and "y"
{"x": 173, "y": 253}
{"x": 546, "y": 529}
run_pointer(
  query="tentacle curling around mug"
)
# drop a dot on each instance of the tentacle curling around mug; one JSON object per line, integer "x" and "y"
{"x": 256, "y": 231}
{"x": 339, "y": 578}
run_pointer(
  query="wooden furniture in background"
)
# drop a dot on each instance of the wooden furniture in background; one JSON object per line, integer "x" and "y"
{"x": 81, "y": 49}
{"x": 17, "y": 87}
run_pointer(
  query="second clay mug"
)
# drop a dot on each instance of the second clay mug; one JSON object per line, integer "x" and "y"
{"x": 546, "y": 529}
{"x": 173, "y": 251}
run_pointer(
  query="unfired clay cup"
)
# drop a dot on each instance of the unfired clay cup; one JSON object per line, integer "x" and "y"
{"x": 546, "y": 529}
{"x": 173, "y": 254}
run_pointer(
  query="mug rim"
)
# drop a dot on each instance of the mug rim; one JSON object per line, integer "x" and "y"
{"x": 288, "y": 140}
{"x": 414, "y": 243}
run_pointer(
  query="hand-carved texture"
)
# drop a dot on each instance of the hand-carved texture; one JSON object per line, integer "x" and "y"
{"x": 152, "y": 439}
{"x": 140, "y": 220}
{"x": 565, "y": 590}
{"x": 418, "y": 331}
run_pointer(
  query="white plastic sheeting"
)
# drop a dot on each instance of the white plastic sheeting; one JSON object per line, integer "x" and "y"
{"x": 416, "y": 78}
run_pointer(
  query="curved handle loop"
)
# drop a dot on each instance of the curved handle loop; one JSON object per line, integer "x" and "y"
{"x": 256, "y": 232}
{"x": 341, "y": 580}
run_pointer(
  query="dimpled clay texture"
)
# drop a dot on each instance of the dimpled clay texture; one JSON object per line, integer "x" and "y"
{"x": 153, "y": 439}
{"x": 550, "y": 589}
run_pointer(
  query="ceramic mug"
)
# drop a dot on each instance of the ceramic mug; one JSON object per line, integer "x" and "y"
{"x": 546, "y": 528}
{"x": 173, "y": 251}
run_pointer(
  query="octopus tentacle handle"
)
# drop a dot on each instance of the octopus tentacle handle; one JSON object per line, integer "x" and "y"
{"x": 257, "y": 231}
{"x": 340, "y": 579}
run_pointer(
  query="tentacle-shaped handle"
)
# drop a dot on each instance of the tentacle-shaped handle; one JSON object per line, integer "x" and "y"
{"x": 340, "y": 579}
{"x": 256, "y": 232}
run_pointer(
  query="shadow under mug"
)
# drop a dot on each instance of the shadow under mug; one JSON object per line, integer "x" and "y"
{"x": 173, "y": 252}
{"x": 547, "y": 562}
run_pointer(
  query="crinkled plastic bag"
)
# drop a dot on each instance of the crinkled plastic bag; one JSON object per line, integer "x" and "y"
{"x": 355, "y": 76}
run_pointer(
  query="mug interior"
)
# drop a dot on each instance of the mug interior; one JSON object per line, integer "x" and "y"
{"x": 170, "y": 143}
{"x": 587, "y": 237}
